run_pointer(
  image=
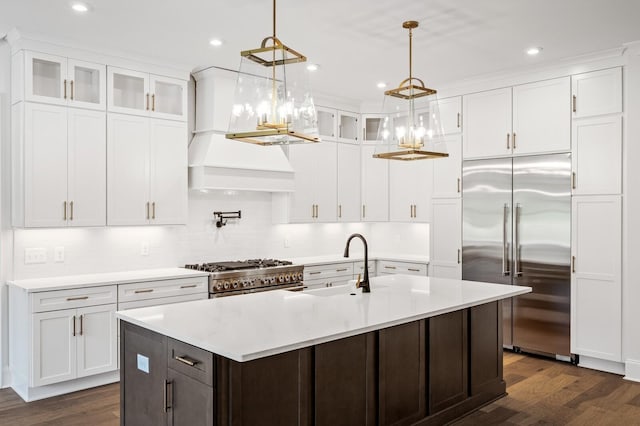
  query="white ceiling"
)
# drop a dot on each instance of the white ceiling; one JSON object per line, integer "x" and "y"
{"x": 356, "y": 42}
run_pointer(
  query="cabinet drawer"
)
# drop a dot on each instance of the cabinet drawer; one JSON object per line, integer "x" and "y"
{"x": 164, "y": 288}
{"x": 328, "y": 282}
{"x": 190, "y": 361}
{"x": 408, "y": 268}
{"x": 358, "y": 268}
{"x": 123, "y": 306}
{"x": 76, "y": 298}
{"x": 329, "y": 270}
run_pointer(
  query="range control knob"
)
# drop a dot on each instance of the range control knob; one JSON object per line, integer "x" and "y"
{"x": 272, "y": 280}
{"x": 281, "y": 279}
{"x": 235, "y": 284}
{"x": 287, "y": 277}
{"x": 226, "y": 285}
{"x": 219, "y": 286}
{"x": 300, "y": 276}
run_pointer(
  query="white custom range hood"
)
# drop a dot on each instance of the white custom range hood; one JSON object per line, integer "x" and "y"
{"x": 219, "y": 163}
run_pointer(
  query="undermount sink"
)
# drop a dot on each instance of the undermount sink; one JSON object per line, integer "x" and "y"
{"x": 347, "y": 290}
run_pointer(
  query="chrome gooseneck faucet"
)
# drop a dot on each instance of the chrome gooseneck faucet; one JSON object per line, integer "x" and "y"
{"x": 365, "y": 282}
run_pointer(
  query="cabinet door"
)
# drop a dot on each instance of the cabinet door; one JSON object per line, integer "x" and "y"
{"x": 87, "y": 85}
{"x": 446, "y": 238}
{"x": 596, "y": 287}
{"x": 326, "y": 184}
{"x": 46, "y": 78}
{"x": 541, "y": 118}
{"x": 596, "y": 93}
{"x": 128, "y": 91}
{"x": 375, "y": 186}
{"x": 97, "y": 341}
{"x": 54, "y": 347}
{"x": 168, "y": 172}
{"x": 487, "y": 124}
{"x": 87, "y": 167}
{"x": 450, "y": 115}
{"x": 348, "y": 182}
{"x": 303, "y": 159}
{"x": 597, "y": 155}
{"x": 168, "y": 98}
{"x": 327, "y": 123}
{"x": 191, "y": 401}
{"x": 370, "y": 126}
{"x": 348, "y": 127}
{"x": 447, "y": 172}
{"x": 410, "y": 188}
{"x": 127, "y": 170}
{"x": 45, "y": 159}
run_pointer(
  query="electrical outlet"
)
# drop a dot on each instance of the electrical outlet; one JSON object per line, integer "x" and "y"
{"x": 58, "y": 254}
{"x": 144, "y": 248}
{"x": 287, "y": 243}
{"x": 35, "y": 255}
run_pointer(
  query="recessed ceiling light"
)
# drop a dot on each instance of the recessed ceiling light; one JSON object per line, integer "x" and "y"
{"x": 312, "y": 67}
{"x": 382, "y": 85}
{"x": 80, "y": 7}
{"x": 533, "y": 51}
{"x": 215, "y": 42}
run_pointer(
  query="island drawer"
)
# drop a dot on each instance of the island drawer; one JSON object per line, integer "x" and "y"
{"x": 409, "y": 268}
{"x": 162, "y": 288}
{"x": 70, "y": 299}
{"x": 190, "y": 361}
{"x": 318, "y": 272}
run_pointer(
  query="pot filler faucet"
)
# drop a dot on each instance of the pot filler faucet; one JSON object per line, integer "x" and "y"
{"x": 365, "y": 282}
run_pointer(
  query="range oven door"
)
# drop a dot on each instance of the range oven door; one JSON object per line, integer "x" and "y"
{"x": 289, "y": 287}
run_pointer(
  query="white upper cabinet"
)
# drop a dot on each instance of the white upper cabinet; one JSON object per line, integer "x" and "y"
{"x": 450, "y": 115}
{"x": 370, "y": 126}
{"x": 597, "y": 155}
{"x": 410, "y": 188}
{"x": 140, "y": 93}
{"x": 597, "y": 93}
{"x": 375, "y": 186}
{"x": 541, "y": 117}
{"x": 314, "y": 199}
{"x": 348, "y": 182}
{"x": 39, "y": 77}
{"x": 446, "y": 238}
{"x": 327, "y": 123}
{"x": 487, "y": 124}
{"x": 447, "y": 172}
{"x": 59, "y": 166}
{"x": 348, "y": 126}
{"x": 147, "y": 171}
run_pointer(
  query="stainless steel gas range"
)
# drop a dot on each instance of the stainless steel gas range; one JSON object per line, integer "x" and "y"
{"x": 251, "y": 276}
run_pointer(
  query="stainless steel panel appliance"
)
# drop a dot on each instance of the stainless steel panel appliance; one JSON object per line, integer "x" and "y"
{"x": 251, "y": 276}
{"x": 517, "y": 230}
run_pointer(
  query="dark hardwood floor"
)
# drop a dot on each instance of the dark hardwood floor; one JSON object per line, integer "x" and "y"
{"x": 541, "y": 391}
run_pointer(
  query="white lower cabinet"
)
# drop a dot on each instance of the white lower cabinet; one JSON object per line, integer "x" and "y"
{"x": 446, "y": 238}
{"x": 596, "y": 287}
{"x": 388, "y": 267}
{"x": 328, "y": 275}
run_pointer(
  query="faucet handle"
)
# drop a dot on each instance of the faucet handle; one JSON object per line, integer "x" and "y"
{"x": 358, "y": 282}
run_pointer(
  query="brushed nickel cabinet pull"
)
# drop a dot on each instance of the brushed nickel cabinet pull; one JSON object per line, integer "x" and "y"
{"x": 81, "y": 326}
{"x": 573, "y": 264}
{"x": 74, "y": 326}
{"x": 153, "y": 210}
{"x": 71, "y": 89}
{"x": 410, "y": 210}
{"x": 364, "y": 211}
{"x": 315, "y": 273}
{"x": 70, "y": 299}
{"x": 153, "y": 102}
{"x": 459, "y": 182}
{"x": 415, "y": 211}
{"x": 147, "y": 210}
{"x": 65, "y": 89}
{"x": 339, "y": 210}
{"x": 508, "y": 138}
{"x": 186, "y": 360}
{"x": 413, "y": 270}
{"x": 574, "y": 102}
{"x": 71, "y": 210}
{"x": 147, "y": 107}
{"x": 313, "y": 211}
{"x": 341, "y": 270}
{"x": 458, "y": 120}
{"x": 459, "y": 260}
{"x": 146, "y": 290}
{"x": 317, "y": 211}
{"x": 514, "y": 140}
{"x": 389, "y": 267}
{"x": 189, "y": 286}
{"x": 64, "y": 214}
{"x": 573, "y": 180}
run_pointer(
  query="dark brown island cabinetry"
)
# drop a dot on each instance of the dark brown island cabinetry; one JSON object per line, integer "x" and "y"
{"x": 424, "y": 372}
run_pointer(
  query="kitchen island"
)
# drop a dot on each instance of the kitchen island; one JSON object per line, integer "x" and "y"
{"x": 415, "y": 350}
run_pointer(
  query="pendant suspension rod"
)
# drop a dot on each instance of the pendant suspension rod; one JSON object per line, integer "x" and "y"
{"x": 274, "y": 18}
{"x": 410, "y": 55}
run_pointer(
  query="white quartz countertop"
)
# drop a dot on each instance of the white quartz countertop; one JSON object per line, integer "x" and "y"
{"x": 257, "y": 325}
{"x": 337, "y": 258}
{"x": 92, "y": 280}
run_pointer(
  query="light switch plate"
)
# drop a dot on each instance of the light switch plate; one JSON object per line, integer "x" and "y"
{"x": 58, "y": 254}
{"x": 35, "y": 255}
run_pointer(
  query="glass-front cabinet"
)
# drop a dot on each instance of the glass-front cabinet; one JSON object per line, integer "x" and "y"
{"x": 64, "y": 81}
{"x": 134, "y": 92}
{"x": 370, "y": 125}
{"x": 327, "y": 123}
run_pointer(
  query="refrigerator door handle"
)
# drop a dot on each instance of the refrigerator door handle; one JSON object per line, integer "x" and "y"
{"x": 505, "y": 245}
{"x": 516, "y": 255}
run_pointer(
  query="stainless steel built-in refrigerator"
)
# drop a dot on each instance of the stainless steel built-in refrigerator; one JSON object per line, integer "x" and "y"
{"x": 517, "y": 230}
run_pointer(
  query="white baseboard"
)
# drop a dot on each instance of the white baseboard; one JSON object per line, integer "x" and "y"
{"x": 632, "y": 370}
{"x": 41, "y": 392}
{"x": 602, "y": 365}
{"x": 6, "y": 377}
